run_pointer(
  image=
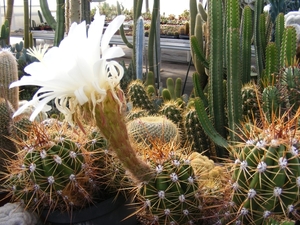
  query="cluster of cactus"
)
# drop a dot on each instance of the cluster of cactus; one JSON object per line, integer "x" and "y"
{"x": 266, "y": 172}
{"x": 23, "y": 59}
{"x": 56, "y": 169}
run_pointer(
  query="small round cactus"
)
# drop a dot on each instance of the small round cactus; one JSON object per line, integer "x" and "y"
{"x": 143, "y": 129}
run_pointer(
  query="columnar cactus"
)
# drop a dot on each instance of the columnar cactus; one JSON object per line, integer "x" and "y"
{"x": 266, "y": 173}
{"x": 9, "y": 74}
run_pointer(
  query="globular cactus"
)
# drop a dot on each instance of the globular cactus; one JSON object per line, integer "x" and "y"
{"x": 9, "y": 74}
{"x": 143, "y": 130}
{"x": 172, "y": 196}
{"x": 135, "y": 113}
{"x": 195, "y": 135}
{"x": 53, "y": 169}
{"x": 266, "y": 172}
{"x": 250, "y": 98}
{"x": 173, "y": 111}
{"x": 138, "y": 96}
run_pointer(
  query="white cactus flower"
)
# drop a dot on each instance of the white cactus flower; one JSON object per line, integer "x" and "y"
{"x": 78, "y": 71}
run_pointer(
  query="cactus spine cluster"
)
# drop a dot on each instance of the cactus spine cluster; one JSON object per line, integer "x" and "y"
{"x": 265, "y": 180}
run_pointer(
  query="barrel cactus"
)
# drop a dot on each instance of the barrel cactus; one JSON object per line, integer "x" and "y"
{"x": 54, "y": 169}
{"x": 266, "y": 172}
{"x": 149, "y": 128}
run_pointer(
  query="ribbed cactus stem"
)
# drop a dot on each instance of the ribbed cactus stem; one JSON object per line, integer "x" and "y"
{"x": 47, "y": 13}
{"x": 246, "y": 44}
{"x": 170, "y": 87}
{"x": 116, "y": 133}
{"x": 216, "y": 98}
{"x": 288, "y": 47}
{"x": 272, "y": 64}
{"x": 139, "y": 47}
{"x": 279, "y": 29}
{"x": 60, "y": 25}
{"x": 234, "y": 85}
{"x": 9, "y": 74}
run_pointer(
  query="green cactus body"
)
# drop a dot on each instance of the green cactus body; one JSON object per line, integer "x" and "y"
{"x": 173, "y": 111}
{"x": 138, "y": 96}
{"x": 135, "y": 113}
{"x": 9, "y": 74}
{"x": 250, "y": 101}
{"x": 171, "y": 87}
{"x": 195, "y": 134}
{"x": 172, "y": 196}
{"x": 265, "y": 180}
{"x": 279, "y": 29}
{"x": 272, "y": 64}
{"x": 270, "y": 101}
{"x": 52, "y": 170}
{"x": 288, "y": 47}
{"x": 147, "y": 129}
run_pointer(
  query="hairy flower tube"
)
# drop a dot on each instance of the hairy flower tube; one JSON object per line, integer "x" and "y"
{"x": 84, "y": 82}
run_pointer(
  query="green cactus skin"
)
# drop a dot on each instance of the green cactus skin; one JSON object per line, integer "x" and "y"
{"x": 47, "y": 13}
{"x": 138, "y": 96}
{"x": 172, "y": 196}
{"x": 250, "y": 98}
{"x": 136, "y": 113}
{"x": 5, "y": 31}
{"x": 150, "y": 79}
{"x": 171, "y": 87}
{"x": 270, "y": 102}
{"x": 258, "y": 9}
{"x": 234, "y": 84}
{"x": 265, "y": 178}
{"x": 246, "y": 44}
{"x": 202, "y": 12}
{"x": 178, "y": 87}
{"x": 9, "y": 74}
{"x": 139, "y": 47}
{"x": 56, "y": 169}
{"x": 147, "y": 129}
{"x": 173, "y": 111}
{"x": 7, "y": 146}
{"x": 216, "y": 98}
{"x": 272, "y": 64}
{"x": 60, "y": 22}
{"x": 197, "y": 138}
{"x": 279, "y": 29}
{"x": 288, "y": 47}
{"x": 166, "y": 95}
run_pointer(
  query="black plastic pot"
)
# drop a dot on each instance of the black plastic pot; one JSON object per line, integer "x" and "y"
{"x": 111, "y": 212}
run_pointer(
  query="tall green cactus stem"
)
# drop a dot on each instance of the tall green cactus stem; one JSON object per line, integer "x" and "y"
{"x": 139, "y": 47}
{"x": 9, "y": 74}
{"x": 40, "y": 16}
{"x": 258, "y": 9}
{"x": 234, "y": 85}
{"x": 138, "y": 96}
{"x": 279, "y": 29}
{"x": 47, "y": 13}
{"x": 122, "y": 32}
{"x": 193, "y": 15}
{"x": 60, "y": 24}
{"x": 152, "y": 40}
{"x": 288, "y": 47}
{"x": 246, "y": 44}
{"x": 26, "y": 24}
{"x": 272, "y": 65}
{"x": 202, "y": 12}
{"x": 265, "y": 180}
{"x": 85, "y": 9}
{"x": 216, "y": 98}
{"x": 8, "y": 16}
